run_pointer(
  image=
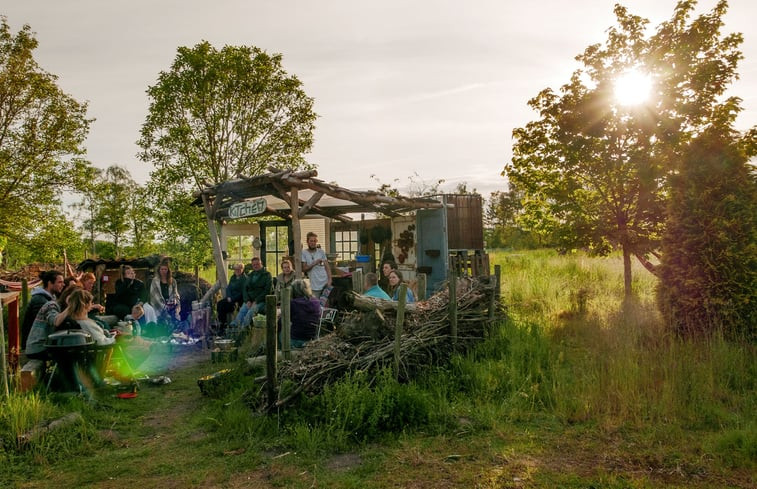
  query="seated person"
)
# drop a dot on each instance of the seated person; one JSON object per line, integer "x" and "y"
{"x": 285, "y": 278}
{"x": 233, "y": 299}
{"x": 164, "y": 295}
{"x": 395, "y": 279}
{"x": 305, "y": 313}
{"x": 257, "y": 285}
{"x": 78, "y": 305}
{"x": 372, "y": 288}
{"x": 129, "y": 292}
{"x": 44, "y": 325}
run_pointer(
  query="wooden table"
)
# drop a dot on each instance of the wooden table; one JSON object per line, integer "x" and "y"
{"x": 9, "y": 301}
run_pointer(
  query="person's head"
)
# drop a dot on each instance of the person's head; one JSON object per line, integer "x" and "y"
{"x": 88, "y": 281}
{"x": 129, "y": 272}
{"x": 71, "y": 286}
{"x": 387, "y": 266}
{"x": 256, "y": 263}
{"x": 395, "y": 278}
{"x": 312, "y": 240}
{"x": 301, "y": 288}
{"x": 79, "y": 302}
{"x": 52, "y": 281}
{"x": 164, "y": 272}
{"x": 286, "y": 266}
{"x": 371, "y": 279}
{"x": 137, "y": 311}
{"x": 238, "y": 269}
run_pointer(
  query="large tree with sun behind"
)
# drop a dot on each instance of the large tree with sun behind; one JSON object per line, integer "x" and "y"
{"x": 595, "y": 165}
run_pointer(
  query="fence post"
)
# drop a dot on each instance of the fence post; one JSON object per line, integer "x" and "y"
{"x": 3, "y": 359}
{"x": 453, "y": 304}
{"x": 421, "y": 278}
{"x": 286, "y": 322}
{"x": 270, "y": 348}
{"x": 357, "y": 280}
{"x": 402, "y": 296}
{"x": 24, "y": 294}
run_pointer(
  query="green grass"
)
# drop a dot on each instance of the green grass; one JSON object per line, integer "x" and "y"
{"x": 577, "y": 388}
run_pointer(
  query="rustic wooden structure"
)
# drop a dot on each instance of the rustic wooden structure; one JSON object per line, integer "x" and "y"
{"x": 292, "y": 195}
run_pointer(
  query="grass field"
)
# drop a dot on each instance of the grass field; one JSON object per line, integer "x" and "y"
{"x": 576, "y": 389}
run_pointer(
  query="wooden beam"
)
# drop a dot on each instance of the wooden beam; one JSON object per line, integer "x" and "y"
{"x": 310, "y": 203}
{"x": 297, "y": 234}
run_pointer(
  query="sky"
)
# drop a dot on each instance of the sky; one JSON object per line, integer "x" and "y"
{"x": 423, "y": 89}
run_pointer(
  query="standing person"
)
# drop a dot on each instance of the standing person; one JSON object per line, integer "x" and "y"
{"x": 234, "y": 296}
{"x": 130, "y": 291}
{"x": 395, "y": 279}
{"x": 52, "y": 285}
{"x": 164, "y": 294}
{"x": 316, "y": 265}
{"x": 285, "y": 278}
{"x": 372, "y": 289}
{"x": 257, "y": 285}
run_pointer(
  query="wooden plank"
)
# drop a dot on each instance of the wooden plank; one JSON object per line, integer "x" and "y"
{"x": 453, "y": 306}
{"x": 270, "y": 348}
{"x": 310, "y": 203}
{"x": 286, "y": 322}
{"x": 402, "y": 295}
{"x": 296, "y": 232}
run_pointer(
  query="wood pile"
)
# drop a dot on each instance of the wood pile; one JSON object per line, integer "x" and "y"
{"x": 364, "y": 339}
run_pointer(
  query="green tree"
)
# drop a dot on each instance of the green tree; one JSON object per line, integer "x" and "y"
{"x": 45, "y": 240}
{"x": 42, "y": 130}
{"x": 217, "y": 115}
{"x": 594, "y": 172}
{"x": 113, "y": 205}
{"x": 708, "y": 272}
{"x": 142, "y": 222}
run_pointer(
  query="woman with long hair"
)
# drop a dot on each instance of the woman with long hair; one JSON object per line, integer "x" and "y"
{"x": 164, "y": 294}
{"x": 395, "y": 280}
{"x": 285, "y": 278}
{"x": 305, "y": 313}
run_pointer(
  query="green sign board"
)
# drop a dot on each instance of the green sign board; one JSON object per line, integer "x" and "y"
{"x": 247, "y": 209}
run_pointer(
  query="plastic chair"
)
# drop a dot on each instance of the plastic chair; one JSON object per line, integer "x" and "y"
{"x": 328, "y": 316}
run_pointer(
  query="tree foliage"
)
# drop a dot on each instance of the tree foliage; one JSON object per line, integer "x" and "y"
{"x": 113, "y": 193}
{"x": 217, "y": 115}
{"x": 595, "y": 172}
{"x": 708, "y": 278}
{"x": 42, "y": 130}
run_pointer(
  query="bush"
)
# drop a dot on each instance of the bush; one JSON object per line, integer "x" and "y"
{"x": 708, "y": 278}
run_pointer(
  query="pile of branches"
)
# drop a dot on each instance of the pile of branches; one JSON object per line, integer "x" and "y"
{"x": 364, "y": 338}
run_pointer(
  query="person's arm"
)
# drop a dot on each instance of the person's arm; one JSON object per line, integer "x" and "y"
{"x": 245, "y": 293}
{"x": 307, "y": 267}
{"x": 60, "y": 318}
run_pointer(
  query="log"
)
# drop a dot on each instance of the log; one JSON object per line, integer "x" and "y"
{"x": 37, "y": 431}
{"x": 364, "y": 303}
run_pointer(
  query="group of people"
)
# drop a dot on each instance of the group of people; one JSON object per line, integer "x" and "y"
{"x": 68, "y": 303}
{"x": 250, "y": 284}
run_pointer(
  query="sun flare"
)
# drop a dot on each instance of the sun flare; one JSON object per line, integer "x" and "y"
{"x": 632, "y": 87}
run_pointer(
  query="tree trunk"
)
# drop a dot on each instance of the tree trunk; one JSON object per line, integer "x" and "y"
{"x": 627, "y": 271}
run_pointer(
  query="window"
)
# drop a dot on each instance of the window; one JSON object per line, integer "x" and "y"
{"x": 346, "y": 245}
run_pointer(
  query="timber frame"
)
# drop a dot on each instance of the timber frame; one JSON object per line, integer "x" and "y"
{"x": 292, "y": 195}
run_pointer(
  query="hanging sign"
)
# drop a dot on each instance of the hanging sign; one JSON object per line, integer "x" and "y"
{"x": 247, "y": 209}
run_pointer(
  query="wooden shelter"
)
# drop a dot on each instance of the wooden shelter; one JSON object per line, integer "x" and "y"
{"x": 292, "y": 195}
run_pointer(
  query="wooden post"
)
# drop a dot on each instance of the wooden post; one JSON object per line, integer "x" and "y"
{"x": 497, "y": 282}
{"x": 357, "y": 281}
{"x": 197, "y": 277}
{"x": 286, "y": 322}
{"x": 399, "y": 327}
{"x": 270, "y": 348}
{"x": 215, "y": 241}
{"x": 421, "y": 278}
{"x": 3, "y": 360}
{"x": 453, "y": 304}
{"x": 24, "y": 294}
{"x": 294, "y": 205}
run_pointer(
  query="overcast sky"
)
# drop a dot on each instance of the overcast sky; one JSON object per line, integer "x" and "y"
{"x": 400, "y": 87}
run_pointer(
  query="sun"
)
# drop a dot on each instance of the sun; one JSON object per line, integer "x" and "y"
{"x": 632, "y": 87}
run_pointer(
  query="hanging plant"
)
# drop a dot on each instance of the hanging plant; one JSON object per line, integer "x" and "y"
{"x": 378, "y": 235}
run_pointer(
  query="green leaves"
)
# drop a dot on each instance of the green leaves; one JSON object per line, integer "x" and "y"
{"x": 595, "y": 172}
{"x": 42, "y": 131}
{"x": 217, "y": 115}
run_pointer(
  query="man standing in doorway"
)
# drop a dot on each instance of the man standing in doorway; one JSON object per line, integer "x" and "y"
{"x": 316, "y": 265}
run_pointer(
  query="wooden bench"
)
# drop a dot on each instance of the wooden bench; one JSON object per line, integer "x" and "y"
{"x": 31, "y": 372}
